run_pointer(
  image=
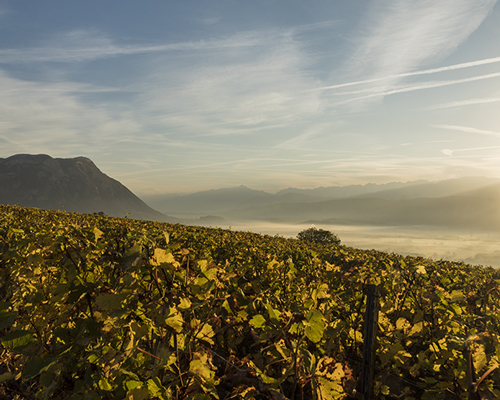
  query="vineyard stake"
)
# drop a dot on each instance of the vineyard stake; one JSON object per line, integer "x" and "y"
{"x": 471, "y": 373}
{"x": 371, "y": 322}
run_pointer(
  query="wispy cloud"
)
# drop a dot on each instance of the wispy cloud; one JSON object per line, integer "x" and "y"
{"x": 416, "y": 73}
{"x": 85, "y": 45}
{"x": 246, "y": 83}
{"x": 380, "y": 92}
{"x": 467, "y": 130}
{"x": 405, "y": 35}
{"x": 450, "y": 152}
{"x": 50, "y": 118}
{"x": 299, "y": 141}
{"x": 228, "y": 93}
{"x": 461, "y": 103}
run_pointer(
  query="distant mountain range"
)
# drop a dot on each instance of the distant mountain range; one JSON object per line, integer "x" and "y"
{"x": 469, "y": 202}
{"x": 76, "y": 184}
{"x": 73, "y": 184}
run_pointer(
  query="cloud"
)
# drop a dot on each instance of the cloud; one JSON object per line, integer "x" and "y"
{"x": 299, "y": 142}
{"x": 244, "y": 83}
{"x": 231, "y": 92}
{"x": 402, "y": 36}
{"x": 416, "y": 73}
{"x": 467, "y": 130}
{"x": 87, "y": 45}
{"x": 462, "y": 103}
{"x": 382, "y": 92}
{"x": 48, "y": 117}
{"x": 450, "y": 153}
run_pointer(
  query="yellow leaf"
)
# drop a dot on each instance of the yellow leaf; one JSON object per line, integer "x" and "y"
{"x": 162, "y": 256}
{"x": 175, "y": 320}
{"x": 417, "y": 328}
{"x": 206, "y": 333}
{"x": 402, "y": 323}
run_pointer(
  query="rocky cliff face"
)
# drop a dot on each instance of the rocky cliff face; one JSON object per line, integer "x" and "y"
{"x": 74, "y": 184}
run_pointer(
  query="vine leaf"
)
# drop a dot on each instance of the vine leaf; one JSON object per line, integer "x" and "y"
{"x": 314, "y": 326}
{"x": 17, "y": 340}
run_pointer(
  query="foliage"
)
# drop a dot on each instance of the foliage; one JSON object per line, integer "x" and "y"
{"x": 320, "y": 236}
{"x": 94, "y": 307}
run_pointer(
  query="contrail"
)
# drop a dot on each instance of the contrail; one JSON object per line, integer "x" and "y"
{"x": 467, "y": 129}
{"x": 464, "y": 103}
{"x": 424, "y": 72}
{"x": 422, "y": 86}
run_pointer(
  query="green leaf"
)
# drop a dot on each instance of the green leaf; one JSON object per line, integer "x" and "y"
{"x": 200, "y": 368}
{"x": 110, "y": 301}
{"x": 4, "y": 306}
{"x": 6, "y": 377}
{"x": 97, "y": 234}
{"x": 421, "y": 270}
{"x": 457, "y": 296}
{"x": 36, "y": 366}
{"x": 402, "y": 323}
{"x": 46, "y": 378}
{"x": 314, "y": 326}
{"x": 175, "y": 320}
{"x": 131, "y": 385}
{"x": 480, "y": 359}
{"x": 7, "y": 319}
{"x": 202, "y": 396}
{"x": 417, "y": 328}
{"x": 328, "y": 389}
{"x": 184, "y": 304}
{"x": 155, "y": 387}
{"x": 257, "y": 321}
{"x": 274, "y": 315}
{"x": 206, "y": 333}
{"x": 162, "y": 256}
{"x": 105, "y": 385}
{"x": 128, "y": 373}
{"x": 92, "y": 395}
{"x": 138, "y": 394}
{"x": 17, "y": 340}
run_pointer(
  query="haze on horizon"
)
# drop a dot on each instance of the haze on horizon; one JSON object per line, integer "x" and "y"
{"x": 187, "y": 96}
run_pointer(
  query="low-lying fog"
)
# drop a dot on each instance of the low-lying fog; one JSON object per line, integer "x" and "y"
{"x": 470, "y": 247}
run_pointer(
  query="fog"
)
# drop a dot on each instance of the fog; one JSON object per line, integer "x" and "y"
{"x": 470, "y": 247}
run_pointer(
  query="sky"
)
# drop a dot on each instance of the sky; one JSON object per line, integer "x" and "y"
{"x": 181, "y": 96}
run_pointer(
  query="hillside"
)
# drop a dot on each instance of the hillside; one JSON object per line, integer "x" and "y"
{"x": 103, "y": 308}
{"x": 74, "y": 184}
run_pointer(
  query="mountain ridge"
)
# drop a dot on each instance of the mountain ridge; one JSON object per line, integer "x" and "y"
{"x": 69, "y": 184}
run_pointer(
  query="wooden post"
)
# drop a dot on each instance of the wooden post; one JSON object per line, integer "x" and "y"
{"x": 471, "y": 373}
{"x": 371, "y": 323}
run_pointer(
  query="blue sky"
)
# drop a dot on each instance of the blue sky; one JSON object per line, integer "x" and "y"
{"x": 182, "y": 96}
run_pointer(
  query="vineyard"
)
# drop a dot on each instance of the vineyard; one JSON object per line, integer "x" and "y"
{"x": 93, "y": 307}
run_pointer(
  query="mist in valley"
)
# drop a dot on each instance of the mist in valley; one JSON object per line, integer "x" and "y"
{"x": 478, "y": 248}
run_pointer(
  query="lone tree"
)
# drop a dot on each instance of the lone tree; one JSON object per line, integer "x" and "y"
{"x": 320, "y": 236}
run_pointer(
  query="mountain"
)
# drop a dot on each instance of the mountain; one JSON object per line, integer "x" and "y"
{"x": 449, "y": 187}
{"x": 471, "y": 210}
{"x": 209, "y": 201}
{"x": 350, "y": 190}
{"x": 242, "y": 197}
{"x": 469, "y": 202}
{"x": 73, "y": 184}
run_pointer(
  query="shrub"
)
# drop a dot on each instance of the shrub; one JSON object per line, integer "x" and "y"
{"x": 320, "y": 236}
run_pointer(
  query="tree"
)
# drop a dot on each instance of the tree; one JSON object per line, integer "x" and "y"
{"x": 320, "y": 236}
